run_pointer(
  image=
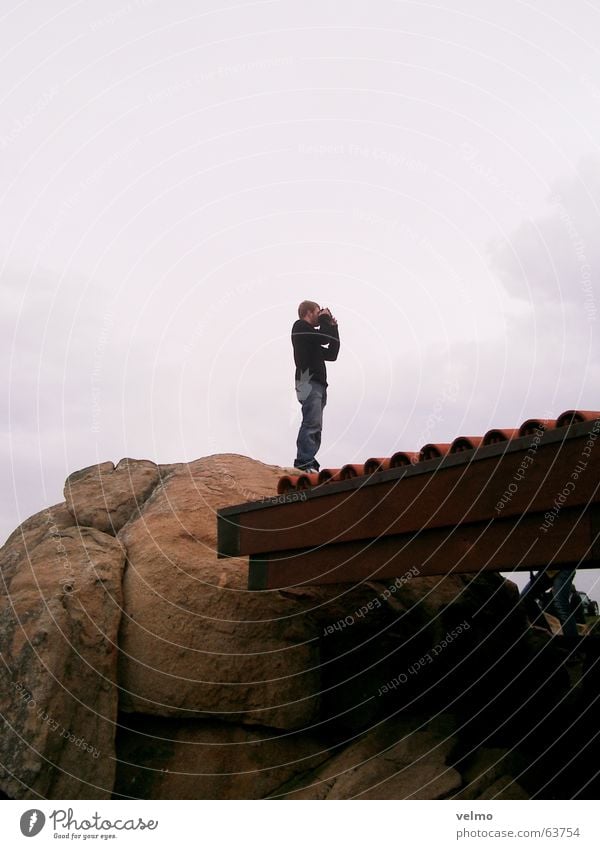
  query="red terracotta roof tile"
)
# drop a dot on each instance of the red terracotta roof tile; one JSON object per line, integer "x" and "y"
{"x": 307, "y": 481}
{"x": 465, "y": 443}
{"x": 492, "y": 437}
{"x": 286, "y": 483}
{"x": 376, "y": 464}
{"x": 326, "y": 475}
{"x": 533, "y": 426}
{"x": 434, "y": 450}
{"x": 570, "y": 417}
{"x": 403, "y": 458}
{"x": 351, "y": 470}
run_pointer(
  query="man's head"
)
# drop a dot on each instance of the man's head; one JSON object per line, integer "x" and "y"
{"x": 309, "y": 311}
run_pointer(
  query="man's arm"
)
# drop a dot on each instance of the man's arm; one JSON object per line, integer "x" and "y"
{"x": 330, "y": 334}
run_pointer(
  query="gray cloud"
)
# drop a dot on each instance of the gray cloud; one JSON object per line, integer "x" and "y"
{"x": 555, "y": 259}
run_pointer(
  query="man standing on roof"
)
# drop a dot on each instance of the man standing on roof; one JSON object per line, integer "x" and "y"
{"x": 315, "y": 338}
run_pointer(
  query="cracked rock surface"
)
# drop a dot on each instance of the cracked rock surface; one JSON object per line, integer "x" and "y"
{"x": 59, "y": 618}
{"x": 106, "y": 497}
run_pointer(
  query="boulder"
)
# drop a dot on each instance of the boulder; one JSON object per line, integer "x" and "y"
{"x": 59, "y": 618}
{"x": 422, "y": 688}
{"x": 395, "y": 760}
{"x": 194, "y": 642}
{"x": 106, "y": 497}
{"x": 421, "y": 644}
{"x": 29, "y": 533}
{"x": 170, "y": 759}
{"x": 492, "y": 774}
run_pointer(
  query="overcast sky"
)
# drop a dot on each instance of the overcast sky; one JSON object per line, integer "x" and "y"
{"x": 177, "y": 176}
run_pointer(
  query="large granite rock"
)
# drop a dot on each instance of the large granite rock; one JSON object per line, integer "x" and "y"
{"x": 105, "y": 496}
{"x": 311, "y": 692}
{"x": 59, "y": 615}
{"x": 492, "y": 774}
{"x": 393, "y": 761}
{"x": 420, "y": 644}
{"x": 34, "y": 529}
{"x": 170, "y": 759}
{"x": 194, "y": 642}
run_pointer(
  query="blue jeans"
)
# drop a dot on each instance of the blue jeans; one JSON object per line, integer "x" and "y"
{"x": 313, "y": 397}
{"x": 561, "y": 594}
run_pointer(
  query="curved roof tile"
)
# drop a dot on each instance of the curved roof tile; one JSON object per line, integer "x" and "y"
{"x": 351, "y": 470}
{"x": 403, "y": 458}
{"x": 286, "y": 483}
{"x": 433, "y": 450}
{"x": 492, "y": 437}
{"x": 465, "y": 443}
{"x": 570, "y": 417}
{"x": 307, "y": 481}
{"x": 376, "y": 464}
{"x": 326, "y": 475}
{"x": 532, "y": 426}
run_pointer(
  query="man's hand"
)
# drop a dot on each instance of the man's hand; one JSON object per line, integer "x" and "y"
{"x": 327, "y": 312}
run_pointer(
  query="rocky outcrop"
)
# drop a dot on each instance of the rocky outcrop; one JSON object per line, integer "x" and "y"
{"x": 129, "y": 643}
{"x": 59, "y": 616}
{"x": 390, "y": 762}
{"x": 166, "y": 759}
{"x": 105, "y": 496}
{"x": 194, "y": 642}
{"x": 492, "y": 774}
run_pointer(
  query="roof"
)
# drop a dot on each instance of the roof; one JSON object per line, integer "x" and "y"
{"x": 516, "y": 499}
{"x": 431, "y": 451}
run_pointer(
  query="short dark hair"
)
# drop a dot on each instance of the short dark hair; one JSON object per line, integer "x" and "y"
{"x": 306, "y": 306}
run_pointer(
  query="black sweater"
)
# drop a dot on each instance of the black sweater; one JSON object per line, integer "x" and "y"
{"x": 309, "y": 353}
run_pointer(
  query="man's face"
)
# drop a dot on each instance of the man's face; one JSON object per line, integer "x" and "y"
{"x": 312, "y": 316}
